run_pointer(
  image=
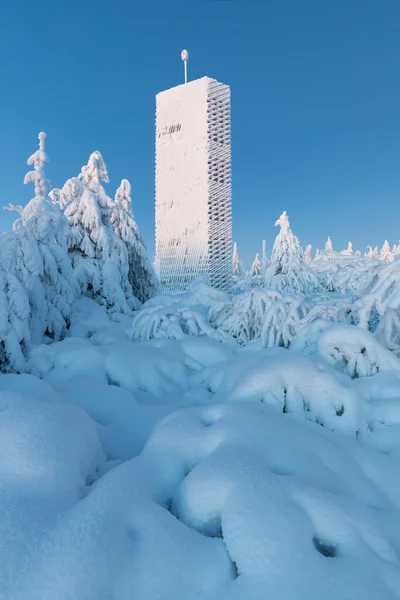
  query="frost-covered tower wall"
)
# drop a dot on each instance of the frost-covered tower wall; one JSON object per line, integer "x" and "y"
{"x": 193, "y": 184}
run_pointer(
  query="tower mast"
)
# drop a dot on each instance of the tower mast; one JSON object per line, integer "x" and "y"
{"x": 185, "y": 58}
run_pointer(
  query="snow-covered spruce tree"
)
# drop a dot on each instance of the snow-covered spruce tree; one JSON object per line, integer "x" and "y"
{"x": 348, "y": 251}
{"x": 287, "y": 272}
{"x": 36, "y": 254}
{"x": 372, "y": 252}
{"x": 307, "y": 254}
{"x": 236, "y": 271}
{"x": 71, "y": 190}
{"x": 264, "y": 258}
{"x": 141, "y": 274}
{"x": 14, "y": 320}
{"x": 386, "y": 254}
{"x": 327, "y": 253}
{"x": 99, "y": 256}
{"x": 396, "y": 250}
{"x": 255, "y": 270}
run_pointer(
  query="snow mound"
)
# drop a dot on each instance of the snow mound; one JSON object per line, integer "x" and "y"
{"x": 72, "y": 358}
{"x": 147, "y": 368}
{"x": 50, "y": 453}
{"x": 225, "y": 502}
{"x": 356, "y": 351}
{"x": 298, "y": 508}
{"x": 291, "y": 383}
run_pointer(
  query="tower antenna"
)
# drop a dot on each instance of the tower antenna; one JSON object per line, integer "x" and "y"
{"x": 185, "y": 58}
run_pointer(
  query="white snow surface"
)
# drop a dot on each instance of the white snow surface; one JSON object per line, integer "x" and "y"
{"x": 193, "y": 466}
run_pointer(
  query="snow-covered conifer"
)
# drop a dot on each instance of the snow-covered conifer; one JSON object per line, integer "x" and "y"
{"x": 99, "y": 256}
{"x": 14, "y": 319}
{"x": 396, "y": 250}
{"x": 141, "y": 274}
{"x": 71, "y": 190}
{"x": 307, "y": 254}
{"x": 348, "y": 251}
{"x": 36, "y": 254}
{"x": 45, "y": 225}
{"x": 255, "y": 270}
{"x": 235, "y": 262}
{"x": 287, "y": 271}
{"x": 357, "y": 253}
{"x": 372, "y": 252}
{"x": 264, "y": 258}
{"x": 385, "y": 254}
{"x": 327, "y": 253}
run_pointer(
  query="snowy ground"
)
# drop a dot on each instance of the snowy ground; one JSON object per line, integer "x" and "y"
{"x": 199, "y": 468}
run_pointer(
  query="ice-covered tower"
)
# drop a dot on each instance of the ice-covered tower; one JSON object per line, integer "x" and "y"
{"x": 193, "y": 184}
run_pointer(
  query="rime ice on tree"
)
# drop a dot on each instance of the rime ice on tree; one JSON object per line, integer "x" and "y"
{"x": 193, "y": 185}
{"x": 307, "y": 254}
{"x": 348, "y": 251}
{"x": 287, "y": 271}
{"x": 255, "y": 270}
{"x": 372, "y": 252}
{"x": 46, "y": 226}
{"x": 140, "y": 271}
{"x": 264, "y": 258}
{"x": 99, "y": 256}
{"x": 386, "y": 253}
{"x": 36, "y": 253}
{"x": 236, "y": 266}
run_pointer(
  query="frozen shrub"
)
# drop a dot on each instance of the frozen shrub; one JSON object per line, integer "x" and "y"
{"x": 355, "y": 351}
{"x": 264, "y": 314}
{"x": 172, "y": 323}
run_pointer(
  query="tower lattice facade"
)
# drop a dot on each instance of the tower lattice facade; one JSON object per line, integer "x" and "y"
{"x": 193, "y": 185}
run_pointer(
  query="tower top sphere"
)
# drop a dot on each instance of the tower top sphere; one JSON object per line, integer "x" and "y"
{"x": 185, "y": 55}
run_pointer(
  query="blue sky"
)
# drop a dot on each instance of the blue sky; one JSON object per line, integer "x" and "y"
{"x": 315, "y": 104}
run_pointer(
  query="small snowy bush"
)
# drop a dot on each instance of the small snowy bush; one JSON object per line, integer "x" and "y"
{"x": 355, "y": 351}
{"x": 376, "y": 307}
{"x": 263, "y": 314}
{"x": 289, "y": 382}
{"x": 172, "y": 323}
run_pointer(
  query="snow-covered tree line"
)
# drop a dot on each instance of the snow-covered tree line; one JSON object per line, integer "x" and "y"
{"x": 66, "y": 243}
{"x": 287, "y": 271}
{"x": 365, "y": 290}
{"x": 291, "y": 269}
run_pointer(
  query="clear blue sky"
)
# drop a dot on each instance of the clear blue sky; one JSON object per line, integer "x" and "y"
{"x": 315, "y": 104}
